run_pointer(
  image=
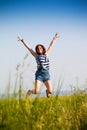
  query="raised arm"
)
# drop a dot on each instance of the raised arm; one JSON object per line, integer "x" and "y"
{"x": 27, "y": 46}
{"x": 52, "y": 43}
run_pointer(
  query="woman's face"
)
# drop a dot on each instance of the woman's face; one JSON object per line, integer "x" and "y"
{"x": 40, "y": 49}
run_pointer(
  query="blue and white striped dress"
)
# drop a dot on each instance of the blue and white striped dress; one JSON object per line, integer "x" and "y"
{"x": 42, "y": 61}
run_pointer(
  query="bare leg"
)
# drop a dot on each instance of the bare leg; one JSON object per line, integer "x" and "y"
{"x": 37, "y": 87}
{"x": 49, "y": 87}
{"x": 36, "y": 90}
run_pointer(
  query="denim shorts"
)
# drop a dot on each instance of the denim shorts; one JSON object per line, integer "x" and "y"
{"x": 42, "y": 75}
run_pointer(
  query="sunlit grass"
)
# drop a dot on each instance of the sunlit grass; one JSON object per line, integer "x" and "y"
{"x": 62, "y": 113}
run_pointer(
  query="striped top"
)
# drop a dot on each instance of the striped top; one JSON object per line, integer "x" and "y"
{"x": 42, "y": 61}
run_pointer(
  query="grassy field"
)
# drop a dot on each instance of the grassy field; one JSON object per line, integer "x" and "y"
{"x": 41, "y": 113}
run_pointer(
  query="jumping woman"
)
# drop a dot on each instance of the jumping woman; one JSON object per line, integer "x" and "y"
{"x": 42, "y": 72}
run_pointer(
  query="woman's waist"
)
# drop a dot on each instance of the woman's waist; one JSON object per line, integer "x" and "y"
{"x": 42, "y": 68}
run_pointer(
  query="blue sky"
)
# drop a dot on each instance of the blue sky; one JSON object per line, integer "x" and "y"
{"x": 37, "y": 21}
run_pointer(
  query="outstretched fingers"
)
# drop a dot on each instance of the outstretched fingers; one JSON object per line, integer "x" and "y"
{"x": 57, "y": 35}
{"x": 19, "y": 39}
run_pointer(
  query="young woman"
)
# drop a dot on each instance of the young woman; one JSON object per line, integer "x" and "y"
{"x": 42, "y": 73}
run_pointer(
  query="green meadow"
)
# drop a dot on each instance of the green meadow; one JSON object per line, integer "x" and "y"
{"x": 41, "y": 113}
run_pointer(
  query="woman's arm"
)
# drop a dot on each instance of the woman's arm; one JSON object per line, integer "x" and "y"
{"x": 52, "y": 43}
{"x": 27, "y": 46}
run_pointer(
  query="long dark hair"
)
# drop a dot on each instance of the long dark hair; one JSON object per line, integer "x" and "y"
{"x": 36, "y": 49}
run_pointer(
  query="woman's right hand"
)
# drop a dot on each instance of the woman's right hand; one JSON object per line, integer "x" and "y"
{"x": 56, "y": 36}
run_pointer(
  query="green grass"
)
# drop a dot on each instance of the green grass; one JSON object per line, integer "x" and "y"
{"x": 55, "y": 113}
{"x": 41, "y": 113}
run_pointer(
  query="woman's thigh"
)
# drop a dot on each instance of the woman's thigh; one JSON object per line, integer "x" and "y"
{"x": 37, "y": 86}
